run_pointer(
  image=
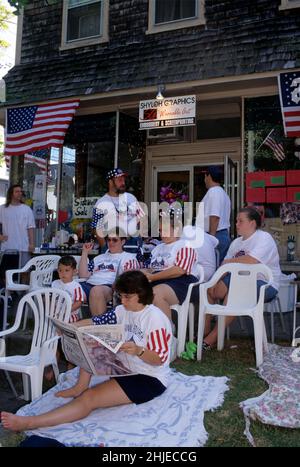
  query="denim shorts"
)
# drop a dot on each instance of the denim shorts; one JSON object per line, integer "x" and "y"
{"x": 270, "y": 291}
{"x": 87, "y": 287}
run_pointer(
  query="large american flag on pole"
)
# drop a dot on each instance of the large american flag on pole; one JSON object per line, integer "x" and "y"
{"x": 289, "y": 90}
{"x": 38, "y": 126}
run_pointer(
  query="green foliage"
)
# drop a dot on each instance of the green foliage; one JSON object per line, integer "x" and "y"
{"x": 5, "y": 14}
{"x": 18, "y": 5}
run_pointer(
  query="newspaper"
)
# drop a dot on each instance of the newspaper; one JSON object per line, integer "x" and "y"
{"x": 95, "y": 348}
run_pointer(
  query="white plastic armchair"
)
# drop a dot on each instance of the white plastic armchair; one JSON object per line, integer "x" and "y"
{"x": 185, "y": 314}
{"x": 44, "y": 304}
{"x": 41, "y": 269}
{"x": 242, "y": 301}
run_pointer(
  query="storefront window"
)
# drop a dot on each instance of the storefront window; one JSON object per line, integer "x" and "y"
{"x": 272, "y": 170}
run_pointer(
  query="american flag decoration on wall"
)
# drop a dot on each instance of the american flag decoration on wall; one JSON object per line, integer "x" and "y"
{"x": 275, "y": 146}
{"x": 289, "y": 91}
{"x": 37, "y": 127}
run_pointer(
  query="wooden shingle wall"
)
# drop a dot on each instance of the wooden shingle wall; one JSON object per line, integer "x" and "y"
{"x": 239, "y": 37}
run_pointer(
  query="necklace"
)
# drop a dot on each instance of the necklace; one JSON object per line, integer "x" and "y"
{"x": 119, "y": 209}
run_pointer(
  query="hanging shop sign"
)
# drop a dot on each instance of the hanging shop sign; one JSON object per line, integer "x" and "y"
{"x": 83, "y": 207}
{"x": 168, "y": 112}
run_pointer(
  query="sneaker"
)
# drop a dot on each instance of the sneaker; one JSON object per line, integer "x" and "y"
{"x": 205, "y": 346}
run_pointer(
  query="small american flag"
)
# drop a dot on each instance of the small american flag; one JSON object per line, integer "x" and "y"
{"x": 37, "y": 127}
{"x": 276, "y": 147}
{"x": 289, "y": 90}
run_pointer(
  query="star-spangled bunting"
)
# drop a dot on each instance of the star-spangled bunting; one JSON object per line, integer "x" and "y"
{"x": 289, "y": 90}
{"x": 37, "y": 127}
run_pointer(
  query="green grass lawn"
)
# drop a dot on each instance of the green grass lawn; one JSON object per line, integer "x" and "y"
{"x": 226, "y": 424}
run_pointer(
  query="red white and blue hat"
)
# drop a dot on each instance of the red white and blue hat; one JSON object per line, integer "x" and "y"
{"x": 117, "y": 172}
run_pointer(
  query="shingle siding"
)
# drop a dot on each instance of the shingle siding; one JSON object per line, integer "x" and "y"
{"x": 240, "y": 37}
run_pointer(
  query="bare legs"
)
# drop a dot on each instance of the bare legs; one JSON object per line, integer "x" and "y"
{"x": 164, "y": 298}
{"x": 99, "y": 296}
{"x": 107, "y": 394}
{"x": 218, "y": 292}
{"x": 81, "y": 385}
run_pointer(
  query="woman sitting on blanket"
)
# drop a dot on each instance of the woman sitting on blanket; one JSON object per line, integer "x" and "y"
{"x": 251, "y": 247}
{"x": 173, "y": 265}
{"x": 148, "y": 338}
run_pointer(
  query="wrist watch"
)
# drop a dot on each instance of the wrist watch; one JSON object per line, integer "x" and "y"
{"x": 141, "y": 352}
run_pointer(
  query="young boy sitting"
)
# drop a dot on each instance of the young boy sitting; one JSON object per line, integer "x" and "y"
{"x": 66, "y": 270}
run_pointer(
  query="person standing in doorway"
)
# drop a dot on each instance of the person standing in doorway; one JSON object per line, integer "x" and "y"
{"x": 217, "y": 207}
{"x": 18, "y": 225}
{"x": 116, "y": 208}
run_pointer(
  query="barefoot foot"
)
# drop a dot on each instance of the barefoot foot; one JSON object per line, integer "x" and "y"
{"x": 14, "y": 422}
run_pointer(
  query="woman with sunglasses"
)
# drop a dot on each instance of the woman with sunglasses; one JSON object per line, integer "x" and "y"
{"x": 148, "y": 337}
{"x": 101, "y": 272}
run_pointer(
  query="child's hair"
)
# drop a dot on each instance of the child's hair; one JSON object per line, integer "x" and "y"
{"x": 132, "y": 282}
{"x": 68, "y": 260}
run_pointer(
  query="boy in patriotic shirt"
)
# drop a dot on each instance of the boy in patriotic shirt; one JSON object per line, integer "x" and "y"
{"x": 66, "y": 269}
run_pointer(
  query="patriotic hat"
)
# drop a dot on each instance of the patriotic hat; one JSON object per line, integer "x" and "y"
{"x": 117, "y": 172}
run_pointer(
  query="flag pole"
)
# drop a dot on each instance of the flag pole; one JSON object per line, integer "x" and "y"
{"x": 263, "y": 141}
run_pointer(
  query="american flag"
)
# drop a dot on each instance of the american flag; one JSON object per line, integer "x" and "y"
{"x": 289, "y": 90}
{"x": 37, "y": 127}
{"x": 276, "y": 147}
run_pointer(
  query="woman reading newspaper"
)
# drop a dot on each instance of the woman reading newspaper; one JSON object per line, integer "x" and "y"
{"x": 147, "y": 342}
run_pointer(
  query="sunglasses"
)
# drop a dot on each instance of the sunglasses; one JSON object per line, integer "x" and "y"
{"x": 113, "y": 240}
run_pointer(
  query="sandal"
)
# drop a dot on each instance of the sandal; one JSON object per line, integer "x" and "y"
{"x": 206, "y": 346}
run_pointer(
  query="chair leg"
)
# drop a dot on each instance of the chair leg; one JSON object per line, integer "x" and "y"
{"x": 26, "y": 386}
{"x": 280, "y": 314}
{"x": 191, "y": 321}
{"x": 201, "y": 324}
{"x": 258, "y": 338}
{"x": 272, "y": 321}
{"x": 5, "y": 307}
{"x": 36, "y": 381}
{"x": 221, "y": 332}
{"x": 181, "y": 333}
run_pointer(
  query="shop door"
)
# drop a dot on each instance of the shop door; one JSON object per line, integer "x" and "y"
{"x": 172, "y": 183}
{"x": 231, "y": 186}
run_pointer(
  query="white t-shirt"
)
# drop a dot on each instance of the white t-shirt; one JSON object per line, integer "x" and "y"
{"x": 205, "y": 246}
{"x": 123, "y": 211}
{"x": 217, "y": 203}
{"x": 149, "y": 328}
{"x": 106, "y": 267}
{"x": 167, "y": 255}
{"x": 262, "y": 247}
{"x": 16, "y": 220}
{"x": 75, "y": 291}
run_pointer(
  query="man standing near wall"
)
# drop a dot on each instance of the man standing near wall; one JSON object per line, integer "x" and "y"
{"x": 18, "y": 226}
{"x": 116, "y": 208}
{"x": 217, "y": 208}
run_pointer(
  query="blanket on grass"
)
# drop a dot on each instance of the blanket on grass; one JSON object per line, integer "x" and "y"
{"x": 173, "y": 419}
{"x": 280, "y": 404}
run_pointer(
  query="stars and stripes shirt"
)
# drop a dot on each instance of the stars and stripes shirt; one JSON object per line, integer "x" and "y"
{"x": 123, "y": 211}
{"x": 149, "y": 328}
{"x": 76, "y": 293}
{"x": 166, "y": 255}
{"x": 106, "y": 267}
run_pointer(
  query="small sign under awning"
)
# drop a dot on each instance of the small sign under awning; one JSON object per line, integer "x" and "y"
{"x": 168, "y": 112}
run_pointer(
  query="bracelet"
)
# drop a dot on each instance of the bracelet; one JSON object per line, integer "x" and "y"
{"x": 141, "y": 352}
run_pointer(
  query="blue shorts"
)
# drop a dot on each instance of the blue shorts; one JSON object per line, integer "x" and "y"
{"x": 224, "y": 242}
{"x": 180, "y": 285}
{"x": 140, "y": 388}
{"x": 87, "y": 287}
{"x": 270, "y": 291}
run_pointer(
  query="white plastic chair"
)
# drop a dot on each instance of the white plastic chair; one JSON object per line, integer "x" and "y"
{"x": 44, "y": 303}
{"x": 295, "y": 340}
{"x": 185, "y": 314}
{"x": 40, "y": 276}
{"x": 274, "y": 306}
{"x": 242, "y": 301}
